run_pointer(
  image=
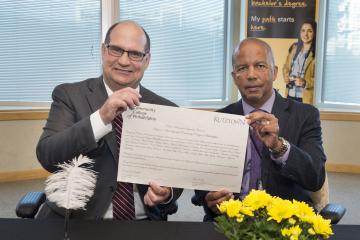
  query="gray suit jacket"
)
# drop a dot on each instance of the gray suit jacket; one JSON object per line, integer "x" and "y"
{"x": 68, "y": 133}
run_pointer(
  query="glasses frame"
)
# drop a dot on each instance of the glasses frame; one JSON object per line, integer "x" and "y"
{"x": 132, "y": 55}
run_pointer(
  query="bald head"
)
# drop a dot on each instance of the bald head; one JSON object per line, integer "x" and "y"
{"x": 243, "y": 43}
{"x": 128, "y": 22}
{"x": 254, "y": 71}
{"x": 125, "y": 70}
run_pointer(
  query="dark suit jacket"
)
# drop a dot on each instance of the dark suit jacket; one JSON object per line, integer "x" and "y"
{"x": 68, "y": 133}
{"x": 305, "y": 167}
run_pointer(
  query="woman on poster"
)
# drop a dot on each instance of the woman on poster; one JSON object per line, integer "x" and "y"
{"x": 299, "y": 68}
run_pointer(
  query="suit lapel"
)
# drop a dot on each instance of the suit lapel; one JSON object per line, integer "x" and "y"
{"x": 280, "y": 110}
{"x": 237, "y": 108}
{"x": 96, "y": 96}
{"x": 146, "y": 96}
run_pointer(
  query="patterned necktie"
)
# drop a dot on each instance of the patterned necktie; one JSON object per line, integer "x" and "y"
{"x": 255, "y": 167}
{"x": 123, "y": 199}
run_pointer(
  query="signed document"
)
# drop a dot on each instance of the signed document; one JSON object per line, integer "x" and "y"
{"x": 183, "y": 148}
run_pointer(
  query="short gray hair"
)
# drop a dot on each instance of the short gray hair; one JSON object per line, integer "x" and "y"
{"x": 267, "y": 47}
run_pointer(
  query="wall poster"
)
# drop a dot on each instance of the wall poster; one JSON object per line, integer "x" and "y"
{"x": 289, "y": 27}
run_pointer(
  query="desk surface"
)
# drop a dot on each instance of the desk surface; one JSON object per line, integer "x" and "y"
{"x": 20, "y": 229}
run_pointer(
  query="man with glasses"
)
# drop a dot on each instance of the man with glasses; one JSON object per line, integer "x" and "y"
{"x": 85, "y": 118}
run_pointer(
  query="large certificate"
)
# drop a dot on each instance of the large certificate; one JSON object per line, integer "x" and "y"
{"x": 183, "y": 148}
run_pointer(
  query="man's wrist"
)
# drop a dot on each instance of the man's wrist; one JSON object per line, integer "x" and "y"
{"x": 280, "y": 149}
{"x": 98, "y": 126}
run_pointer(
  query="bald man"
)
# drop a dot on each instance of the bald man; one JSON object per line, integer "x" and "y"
{"x": 284, "y": 153}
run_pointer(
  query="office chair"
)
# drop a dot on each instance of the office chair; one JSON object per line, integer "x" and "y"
{"x": 29, "y": 204}
{"x": 321, "y": 197}
{"x": 331, "y": 211}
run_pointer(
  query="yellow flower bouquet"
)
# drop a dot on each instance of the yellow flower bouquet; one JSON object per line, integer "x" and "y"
{"x": 262, "y": 216}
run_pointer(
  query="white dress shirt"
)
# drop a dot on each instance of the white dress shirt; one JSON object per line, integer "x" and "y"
{"x": 100, "y": 130}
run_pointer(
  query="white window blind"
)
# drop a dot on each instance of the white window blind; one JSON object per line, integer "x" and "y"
{"x": 188, "y": 42}
{"x": 45, "y": 43}
{"x": 340, "y": 75}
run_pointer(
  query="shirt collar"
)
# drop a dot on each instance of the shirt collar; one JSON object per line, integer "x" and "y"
{"x": 268, "y": 105}
{"x": 109, "y": 91}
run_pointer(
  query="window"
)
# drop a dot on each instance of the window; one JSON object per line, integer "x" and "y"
{"x": 45, "y": 43}
{"x": 339, "y": 46}
{"x": 188, "y": 47}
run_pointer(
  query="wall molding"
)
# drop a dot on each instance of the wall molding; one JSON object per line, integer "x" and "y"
{"x": 23, "y": 115}
{"x": 343, "y": 168}
{"x": 8, "y": 115}
{"x": 41, "y": 173}
{"x": 43, "y": 115}
{"x": 23, "y": 175}
{"x": 340, "y": 116}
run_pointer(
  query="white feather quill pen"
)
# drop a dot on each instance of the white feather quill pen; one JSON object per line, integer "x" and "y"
{"x": 72, "y": 186}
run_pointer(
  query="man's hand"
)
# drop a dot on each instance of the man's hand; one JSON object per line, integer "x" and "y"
{"x": 214, "y": 198}
{"x": 156, "y": 194}
{"x": 118, "y": 102}
{"x": 267, "y": 128}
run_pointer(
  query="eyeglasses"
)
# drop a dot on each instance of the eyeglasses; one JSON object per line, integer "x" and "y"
{"x": 118, "y": 52}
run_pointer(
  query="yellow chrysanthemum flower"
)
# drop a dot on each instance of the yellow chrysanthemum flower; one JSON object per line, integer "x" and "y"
{"x": 234, "y": 208}
{"x": 280, "y": 209}
{"x": 249, "y": 211}
{"x": 231, "y": 208}
{"x": 257, "y": 199}
{"x": 311, "y": 231}
{"x": 222, "y": 207}
{"x": 292, "y": 232}
{"x": 303, "y": 211}
{"x": 240, "y": 218}
{"x": 321, "y": 226}
{"x": 292, "y": 220}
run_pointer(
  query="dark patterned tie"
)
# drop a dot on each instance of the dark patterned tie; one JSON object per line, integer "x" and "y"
{"x": 123, "y": 199}
{"x": 255, "y": 167}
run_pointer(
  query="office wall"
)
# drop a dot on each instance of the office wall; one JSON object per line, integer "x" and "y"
{"x": 341, "y": 142}
{"x": 18, "y": 141}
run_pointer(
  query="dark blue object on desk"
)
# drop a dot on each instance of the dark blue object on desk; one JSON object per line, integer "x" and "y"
{"x": 28, "y": 229}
